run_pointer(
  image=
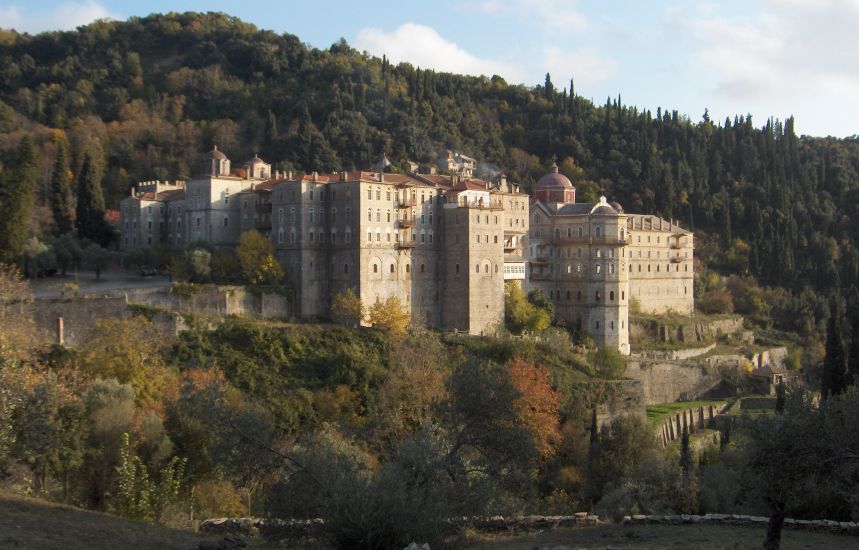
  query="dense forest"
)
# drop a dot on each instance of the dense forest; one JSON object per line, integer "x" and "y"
{"x": 146, "y": 96}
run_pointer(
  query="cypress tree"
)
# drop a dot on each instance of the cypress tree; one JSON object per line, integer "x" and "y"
{"x": 61, "y": 188}
{"x": 834, "y": 377}
{"x": 90, "y": 207}
{"x": 853, "y": 356}
{"x": 17, "y": 194}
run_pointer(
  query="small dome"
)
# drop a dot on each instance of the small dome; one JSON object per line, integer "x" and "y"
{"x": 603, "y": 210}
{"x": 554, "y": 180}
{"x": 616, "y": 206}
{"x": 255, "y": 160}
{"x": 217, "y": 155}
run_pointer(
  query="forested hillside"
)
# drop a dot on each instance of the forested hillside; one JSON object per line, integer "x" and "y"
{"x": 147, "y": 95}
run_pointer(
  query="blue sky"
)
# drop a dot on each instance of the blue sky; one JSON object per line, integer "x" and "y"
{"x": 768, "y": 58}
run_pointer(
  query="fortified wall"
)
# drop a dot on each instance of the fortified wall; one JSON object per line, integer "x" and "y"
{"x": 79, "y": 315}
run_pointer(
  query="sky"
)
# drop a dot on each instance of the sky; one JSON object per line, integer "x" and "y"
{"x": 767, "y": 58}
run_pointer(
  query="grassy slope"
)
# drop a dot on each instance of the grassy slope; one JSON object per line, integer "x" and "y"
{"x": 658, "y": 413}
{"x": 32, "y": 523}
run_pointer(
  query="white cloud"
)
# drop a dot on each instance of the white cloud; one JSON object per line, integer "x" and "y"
{"x": 794, "y": 56}
{"x": 67, "y": 16}
{"x": 585, "y": 65}
{"x": 424, "y": 47}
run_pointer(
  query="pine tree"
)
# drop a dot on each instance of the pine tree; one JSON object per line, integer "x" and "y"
{"x": 61, "y": 188}
{"x": 90, "y": 208}
{"x": 834, "y": 377}
{"x": 17, "y": 194}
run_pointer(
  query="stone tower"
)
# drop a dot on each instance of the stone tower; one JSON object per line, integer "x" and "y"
{"x": 473, "y": 260}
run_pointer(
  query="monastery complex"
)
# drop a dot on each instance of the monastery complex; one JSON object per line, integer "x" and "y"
{"x": 444, "y": 244}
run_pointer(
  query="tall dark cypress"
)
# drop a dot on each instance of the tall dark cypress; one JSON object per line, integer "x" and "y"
{"x": 853, "y": 355}
{"x": 17, "y": 194}
{"x": 61, "y": 189}
{"x": 90, "y": 208}
{"x": 834, "y": 377}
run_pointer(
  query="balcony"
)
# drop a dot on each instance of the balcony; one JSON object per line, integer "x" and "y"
{"x": 406, "y": 223}
{"x": 406, "y": 202}
{"x": 406, "y": 244}
{"x": 676, "y": 246}
{"x": 676, "y": 259}
{"x": 263, "y": 208}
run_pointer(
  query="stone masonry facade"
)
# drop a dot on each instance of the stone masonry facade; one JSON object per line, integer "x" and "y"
{"x": 445, "y": 245}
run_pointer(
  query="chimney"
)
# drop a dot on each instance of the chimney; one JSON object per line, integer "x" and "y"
{"x": 343, "y": 177}
{"x": 502, "y": 180}
{"x": 315, "y": 176}
{"x": 289, "y": 175}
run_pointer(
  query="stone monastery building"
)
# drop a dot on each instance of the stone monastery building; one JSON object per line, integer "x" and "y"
{"x": 443, "y": 244}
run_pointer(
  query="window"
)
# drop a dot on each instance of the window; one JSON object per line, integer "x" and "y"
{"x": 580, "y": 232}
{"x": 579, "y": 295}
{"x": 226, "y": 222}
{"x": 457, "y": 269}
{"x": 477, "y": 268}
{"x": 408, "y": 268}
{"x": 345, "y": 268}
{"x": 375, "y": 268}
{"x": 370, "y": 194}
{"x": 611, "y": 296}
{"x": 378, "y": 194}
{"x": 623, "y": 295}
{"x": 598, "y": 231}
{"x": 598, "y": 295}
{"x": 422, "y": 268}
{"x": 369, "y": 215}
{"x": 392, "y": 268}
{"x": 378, "y": 215}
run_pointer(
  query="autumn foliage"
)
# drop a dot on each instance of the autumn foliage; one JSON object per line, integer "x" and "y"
{"x": 537, "y": 404}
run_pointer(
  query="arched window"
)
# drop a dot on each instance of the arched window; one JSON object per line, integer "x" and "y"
{"x": 568, "y": 295}
{"x": 598, "y": 295}
{"x": 477, "y": 268}
{"x": 408, "y": 268}
{"x": 598, "y": 231}
{"x": 580, "y": 231}
{"x": 597, "y": 268}
{"x": 557, "y": 233}
{"x": 392, "y": 268}
{"x": 375, "y": 268}
{"x": 611, "y": 296}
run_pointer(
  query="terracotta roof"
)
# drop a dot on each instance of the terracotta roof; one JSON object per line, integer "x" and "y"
{"x": 470, "y": 185}
{"x": 171, "y": 195}
{"x": 111, "y": 215}
{"x": 554, "y": 180}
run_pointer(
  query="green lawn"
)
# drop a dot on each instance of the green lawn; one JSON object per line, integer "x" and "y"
{"x": 658, "y": 413}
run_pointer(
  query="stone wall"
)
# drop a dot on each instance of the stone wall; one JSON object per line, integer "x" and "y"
{"x": 686, "y": 332}
{"x": 664, "y": 382}
{"x": 842, "y": 527}
{"x": 80, "y": 314}
{"x": 693, "y": 420}
{"x": 619, "y": 398}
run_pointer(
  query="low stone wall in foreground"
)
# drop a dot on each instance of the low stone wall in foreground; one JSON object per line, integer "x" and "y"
{"x": 842, "y": 527}
{"x": 275, "y": 529}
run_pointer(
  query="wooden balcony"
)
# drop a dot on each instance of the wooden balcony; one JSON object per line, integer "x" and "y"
{"x": 406, "y": 202}
{"x": 406, "y": 244}
{"x": 406, "y": 222}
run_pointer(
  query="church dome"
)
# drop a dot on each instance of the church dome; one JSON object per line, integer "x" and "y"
{"x": 554, "y": 180}
{"x": 214, "y": 154}
{"x": 255, "y": 160}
